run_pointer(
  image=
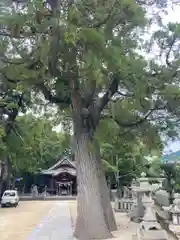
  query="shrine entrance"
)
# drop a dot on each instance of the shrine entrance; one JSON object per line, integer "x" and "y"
{"x": 64, "y": 188}
{"x": 65, "y": 183}
{"x": 62, "y": 178}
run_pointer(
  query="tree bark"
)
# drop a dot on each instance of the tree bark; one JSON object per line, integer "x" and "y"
{"x": 95, "y": 218}
{"x": 9, "y": 171}
{"x": 91, "y": 220}
{"x": 2, "y": 171}
{"x": 105, "y": 196}
{"x": 106, "y": 203}
{"x": 1, "y": 188}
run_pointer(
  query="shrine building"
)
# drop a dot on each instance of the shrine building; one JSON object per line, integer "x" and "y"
{"x": 60, "y": 179}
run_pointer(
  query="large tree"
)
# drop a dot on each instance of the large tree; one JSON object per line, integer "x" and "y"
{"x": 82, "y": 56}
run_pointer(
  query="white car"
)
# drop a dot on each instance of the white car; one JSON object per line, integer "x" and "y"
{"x": 10, "y": 198}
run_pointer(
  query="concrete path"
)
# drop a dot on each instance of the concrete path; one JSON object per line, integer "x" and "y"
{"x": 56, "y": 226}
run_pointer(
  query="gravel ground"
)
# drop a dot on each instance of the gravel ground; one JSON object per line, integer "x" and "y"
{"x": 18, "y": 223}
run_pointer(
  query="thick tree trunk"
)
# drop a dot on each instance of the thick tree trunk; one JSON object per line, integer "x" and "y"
{"x": 1, "y": 185}
{"x": 2, "y": 171}
{"x": 105, "y": 196}
{"x": 106, "y": 203}
{"x": 9, "y": 171}
{"x": 95, "y": 216}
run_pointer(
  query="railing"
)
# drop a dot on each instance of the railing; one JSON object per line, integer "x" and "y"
{"x": 123, "y": 205}
{"x": 47, "y": 198}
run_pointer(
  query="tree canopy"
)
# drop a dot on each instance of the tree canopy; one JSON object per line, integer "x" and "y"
{"x": 87, "y": 57}
{"x": 35, "y": 44}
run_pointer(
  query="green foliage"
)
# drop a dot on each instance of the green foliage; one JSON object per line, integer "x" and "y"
{"x": 169, "y": 169}
{"x": 155, "y": 167}
{"x": 54, "y": 49}
{"x": 125, "y": 152}
{"x": 33, "y": 144}
{"x": 108, "y": 167}
{"x": 85, "y": 57}
{"x": 14, "y": 99}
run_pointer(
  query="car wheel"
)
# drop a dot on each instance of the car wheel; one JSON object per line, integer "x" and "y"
{"x": 2, "y": 205}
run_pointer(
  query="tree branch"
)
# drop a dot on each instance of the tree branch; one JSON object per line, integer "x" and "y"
{"x": 170, "y": 49}
{"x": 125, "y": 94}
{"x": 134, "y": 123}
{"x": 22, "y": 35}
{"x": 89, "y": 95}
{"x": 12, "y": 114}
{"x": 50, "y": 97}
{"x": 102, "y": 22}
{"x": 113, "y": 88}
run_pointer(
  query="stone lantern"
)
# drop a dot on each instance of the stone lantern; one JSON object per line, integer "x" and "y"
{"x": 143, "y": 188}
{"x": 149, "y": 228}
{"x": 175, "y": 211}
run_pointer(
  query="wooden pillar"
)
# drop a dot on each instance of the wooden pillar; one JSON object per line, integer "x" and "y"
{"x": 59, "y": 189}
{"x": 51, "y": 183}
{"x": 71, "y": 188}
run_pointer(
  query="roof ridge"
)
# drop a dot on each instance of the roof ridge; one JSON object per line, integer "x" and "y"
{"x": 60, "y": 162}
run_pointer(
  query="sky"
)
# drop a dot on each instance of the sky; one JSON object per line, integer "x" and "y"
{"x": 172, "y": 147}
{"x": 173, "y": 15}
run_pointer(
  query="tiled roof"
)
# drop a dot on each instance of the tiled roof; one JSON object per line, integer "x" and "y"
{"x": 58, "y": 171}
{"x": 63, "y": 161}
{"x": 62, "y": 166}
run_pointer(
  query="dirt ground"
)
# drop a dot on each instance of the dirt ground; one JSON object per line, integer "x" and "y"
{"x": 18, "y": 223}
{"x": 126, "y": 228}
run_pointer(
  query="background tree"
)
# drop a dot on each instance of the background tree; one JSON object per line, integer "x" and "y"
{"x": 177, "y": 180}
{"x": 33, "y": 144}
{"x": 83, "y": 56}
{"x": 169, "y": 171}
{"x": 125, "y": 153}
{"x": 13, "y": 100}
